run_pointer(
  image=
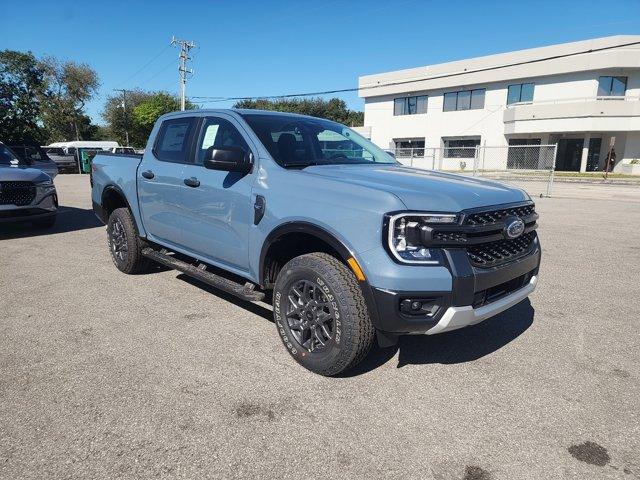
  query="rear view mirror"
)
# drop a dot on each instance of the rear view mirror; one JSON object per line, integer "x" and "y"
{"x": 230, "y": 159}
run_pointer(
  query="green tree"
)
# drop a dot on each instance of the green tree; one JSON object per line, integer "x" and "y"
{"x": 118, "y": 116}
{"x": 70, "y": 86}
{"x": 142, "y": 111}
{"x": 22, "y": 89}
{"x": 333, "y": 109}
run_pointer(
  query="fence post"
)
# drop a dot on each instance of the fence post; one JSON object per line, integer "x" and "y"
{"x": 553, "y": 169}
{"x": 476, "y": 158}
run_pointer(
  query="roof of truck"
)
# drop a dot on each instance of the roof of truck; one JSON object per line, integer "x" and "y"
{"x": 240, "y": 111}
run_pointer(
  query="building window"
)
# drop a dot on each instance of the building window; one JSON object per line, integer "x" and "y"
{"x": 519, "y": 93}
{"x": 612, "y": 86}
{"x": 460, "y": 147}
{"x": 409, "y": 147}
{"x": 410, "y": 105}
{"x": 464, "y": 100}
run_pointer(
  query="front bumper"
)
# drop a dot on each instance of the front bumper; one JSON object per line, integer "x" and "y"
{"x": 43, "y": 207}
{"x": 475, "y": 295}
{"x": 458, "y": 317}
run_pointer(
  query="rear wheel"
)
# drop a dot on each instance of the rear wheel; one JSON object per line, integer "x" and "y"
{"x": 321, "y": 314}
{"x": 124, "y": 243}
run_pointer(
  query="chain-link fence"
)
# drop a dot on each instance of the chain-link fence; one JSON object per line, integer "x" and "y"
{"x": 527, "y": 166}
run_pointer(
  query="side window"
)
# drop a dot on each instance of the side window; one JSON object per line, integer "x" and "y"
{"x": 172, "y": 144}
{"x": 218, "y": 133}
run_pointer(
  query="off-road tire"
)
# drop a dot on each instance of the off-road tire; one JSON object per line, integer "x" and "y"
{"x": 132, "y": 262}
{"x": 47, "y": 222}
{"x": 353, "y": 333}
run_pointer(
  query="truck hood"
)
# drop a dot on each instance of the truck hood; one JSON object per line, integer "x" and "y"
{"x": 22, "y": 174}
{"x": 424, "y": 189}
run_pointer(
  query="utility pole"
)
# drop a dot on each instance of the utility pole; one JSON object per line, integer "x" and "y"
{"x": 124, "y": 109}
{"x": 184, "y": 57}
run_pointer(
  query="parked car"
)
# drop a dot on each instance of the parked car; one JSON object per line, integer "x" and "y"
{"x": 64, "y": 159}
{"x": 73, "y": 156}
{"x": 34, "y": 156}
{"x": 123, "y": 150}
{"x": 348, "y": 247}
{"x": 26, "y": 193}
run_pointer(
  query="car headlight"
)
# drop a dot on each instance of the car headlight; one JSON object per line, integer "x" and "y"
{"x": 408, "y": 233}
{"x": 46, "y": 186}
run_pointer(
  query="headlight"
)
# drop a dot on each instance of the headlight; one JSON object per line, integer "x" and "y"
{"x": 46, "y": 187}
{"x": 408, "y": 233}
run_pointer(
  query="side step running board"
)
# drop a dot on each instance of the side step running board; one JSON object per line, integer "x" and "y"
{"x": 245, "y": 291}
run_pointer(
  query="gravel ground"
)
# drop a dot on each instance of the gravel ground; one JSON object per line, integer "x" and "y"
{"x": 104, "y": 375}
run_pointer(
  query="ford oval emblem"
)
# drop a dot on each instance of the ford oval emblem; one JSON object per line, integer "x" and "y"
{"x": 513, "y": 228}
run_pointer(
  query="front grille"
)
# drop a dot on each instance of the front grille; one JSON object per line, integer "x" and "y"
{"x": 17, "y": 193}
{"x": 449, "y": 237}
{"x": 484, "y": 297}
{"x": 502, "y": 251}
{"x": 486, "y": 218}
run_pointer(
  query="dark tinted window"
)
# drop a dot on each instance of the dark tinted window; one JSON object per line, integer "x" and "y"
{"x": 450, "y": 100}
{"x": 297, "y": 141}
{"x": 219, "y": 133}
{"x": 521, "y": 92}
{"x": 398, "y": 106}
{"x": 410, "y": 105}
{"x": 612, "y": 86}
{"x": 7, "y": 157}
{"x": 172, "y": 144}
{"x": 527, "y": 92}
{"x": 464, "y": 100}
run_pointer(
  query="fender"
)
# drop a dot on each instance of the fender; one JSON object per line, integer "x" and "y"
{"x": 302, "y": 227}
{"x": 343, "y": 250}
{"x": 100, "y": 210}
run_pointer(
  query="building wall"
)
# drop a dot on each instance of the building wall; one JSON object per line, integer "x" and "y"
{"x": 562, "y": 97}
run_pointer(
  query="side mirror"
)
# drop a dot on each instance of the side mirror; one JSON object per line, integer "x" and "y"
{"x": 230, "y": 159}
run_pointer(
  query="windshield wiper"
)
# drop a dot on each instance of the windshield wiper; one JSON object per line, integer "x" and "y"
{"x": 300, "y": 165}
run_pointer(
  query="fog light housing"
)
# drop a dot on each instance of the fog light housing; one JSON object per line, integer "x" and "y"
{"x": 418, "y": 307}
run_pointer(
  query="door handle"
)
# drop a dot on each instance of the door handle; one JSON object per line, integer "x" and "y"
{"x": 192, "y": 182}
{"x": 148, "y": 174}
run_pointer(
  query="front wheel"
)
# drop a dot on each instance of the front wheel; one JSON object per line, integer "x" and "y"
{"x": 321, "y": 314}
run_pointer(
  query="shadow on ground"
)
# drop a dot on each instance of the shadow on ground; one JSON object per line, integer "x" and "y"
{"x": 69, "y": 219}
{"x": 460, "y": 346}
{"x": 255, "y": 308}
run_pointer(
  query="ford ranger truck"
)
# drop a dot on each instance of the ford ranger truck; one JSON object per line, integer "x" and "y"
{"x": 346, "y": 243}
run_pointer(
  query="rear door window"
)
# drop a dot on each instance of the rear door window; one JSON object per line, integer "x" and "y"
{"x": 174, "y": 138}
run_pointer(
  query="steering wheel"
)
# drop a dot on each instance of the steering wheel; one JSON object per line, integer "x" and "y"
{"x": 338, "y": 155}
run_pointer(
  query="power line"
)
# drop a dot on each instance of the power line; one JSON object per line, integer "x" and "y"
{"x": 184, "y": 57}
{"x": 204, "y": 99}
{"x": 159, "y": 72}
{"x": 153, "y": 59}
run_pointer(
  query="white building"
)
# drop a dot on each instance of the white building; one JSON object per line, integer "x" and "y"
{"x": 576, "y": 95}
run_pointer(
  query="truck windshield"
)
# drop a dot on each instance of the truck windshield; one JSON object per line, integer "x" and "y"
{"x": 295, "y": 141}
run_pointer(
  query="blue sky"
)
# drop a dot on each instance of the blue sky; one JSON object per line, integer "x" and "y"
{"x": 252, "y": 48}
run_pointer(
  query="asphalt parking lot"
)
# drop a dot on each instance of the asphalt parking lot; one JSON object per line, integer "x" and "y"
{"x": 104, "y": 375}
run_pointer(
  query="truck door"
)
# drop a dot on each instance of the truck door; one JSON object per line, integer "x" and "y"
{"x": 161, "y": 178}
{"x": 217, "y": 204}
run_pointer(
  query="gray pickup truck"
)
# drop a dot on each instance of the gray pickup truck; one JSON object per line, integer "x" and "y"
{"x": 345, "y": 242}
